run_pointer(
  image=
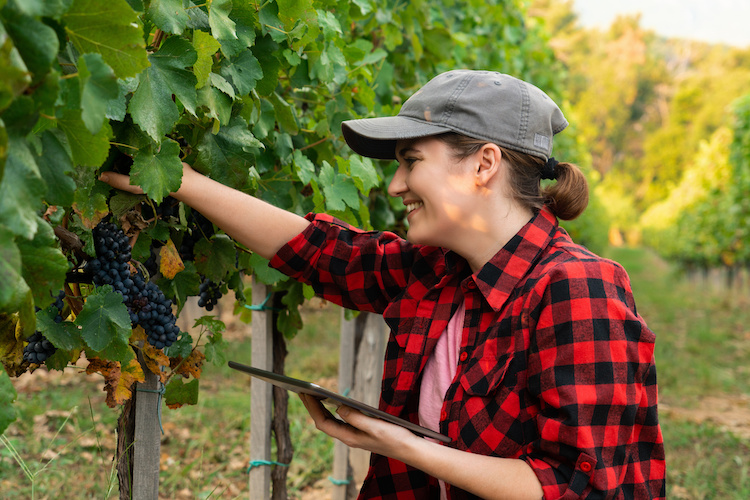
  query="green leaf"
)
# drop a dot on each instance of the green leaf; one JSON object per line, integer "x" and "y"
{"x": 303, "y": 167}
{"x": 179, "y": 393}
{"x": 168, "y": 15}
{"x": 42, "y": 8}
{"x": 98, "y": 87}
{"x": 284, "y": 114}
{"x": 36, "y": 42}
{"x": 158, "y": 172}
{"x": 229, "y": 154}
{"x": 15, "y": 76}
{"x": 243, "y": 71}
{"x": 211, "y": 324}
{"x": 265, "y": 51}
{"x": 151, "y": 106}
{"x": 172, "y": 60}
{"x": 245, "y": 19}
{"x": 44, "y": 265}
{"x": 21, "y": 191}
{"x": 222, "y": 84}
{"x": 338, "y": 189}
{"x": 185, "y": 284}
{"x": 263, "y": 273}
{"x": 217, "y": 103}
{"x": 363, "y": 172}
{"x": 88, "y": 149}
{"x": 90, "y": 199}
{"x": 7, "y": 397}
{"x": 110, "y": 28}
{"x": 64, "y": 335}
{"x": 13, "y": 288}
{"x": 222, "y": 27}
{"x": 103, "y": 319}
{"x": 55, "y": 167}
{"x": 215, "y": 258}
{"x": 329, "y": 24}
{"x": 205, "y": 48}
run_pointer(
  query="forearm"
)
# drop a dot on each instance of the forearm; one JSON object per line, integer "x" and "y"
{"x": 484, "y": 476}
{"x": 260, "y": 226}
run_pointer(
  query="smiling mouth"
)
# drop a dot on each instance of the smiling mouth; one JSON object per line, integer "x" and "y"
{"x": 410, "y": 207}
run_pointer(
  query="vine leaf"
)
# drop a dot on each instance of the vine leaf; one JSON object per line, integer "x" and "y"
{"x": 21, "y": 191}
{"x": 118, "y": 378}
{"x": 170, "y": 262}
{"x": 98, "y": 87}
{"x": 190, "y": 366}
{"x": 11, "y": 343}
{"x": 222, "y": 26}
{"x": 104, "y": 319}
{"x": 158, "y": 173}
{"x": 205, "y": 48}
{"x": 88, "y": 149}
{"x": 215, "y": 258}
{"x": 55, "y": 166}
{"x": 43, "y": 264}
{"x": 64, "y": 335}
{"x": 13, "y": 288}
{"x": 154, "y": 359}
{"x": 243, "y": 72}
{"x": 168, "y": 15}
{"x": 151, "y": 106}
{"x": 178, "y": 393}
{"x": 339, "y": 189}
{"x": 7, "y": 396}
{"x": 110, "y": 28}
{"x": 36, "y": 42}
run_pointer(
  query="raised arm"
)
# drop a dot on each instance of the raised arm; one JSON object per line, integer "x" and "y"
{"x": 260, "y": 226}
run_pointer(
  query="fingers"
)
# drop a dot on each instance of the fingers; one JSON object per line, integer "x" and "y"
{"x": 120, "y": 181}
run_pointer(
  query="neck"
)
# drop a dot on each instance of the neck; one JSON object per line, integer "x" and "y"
{"x": 481, "y": 245}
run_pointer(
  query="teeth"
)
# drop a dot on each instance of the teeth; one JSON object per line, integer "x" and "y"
{"x": 410, "y": 207}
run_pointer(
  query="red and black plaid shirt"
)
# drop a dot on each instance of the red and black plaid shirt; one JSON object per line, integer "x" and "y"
{"x": 555, "y": 368}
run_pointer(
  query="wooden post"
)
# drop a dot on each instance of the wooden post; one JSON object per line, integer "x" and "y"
{"x": 368, "y": 375}
{"x": 260, "y": 397}
{"x": 147, "y": 442}
{"x": 341, "y": 474}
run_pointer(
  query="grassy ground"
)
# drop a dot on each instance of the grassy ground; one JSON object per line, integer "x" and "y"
{"x": 65, "y": 434}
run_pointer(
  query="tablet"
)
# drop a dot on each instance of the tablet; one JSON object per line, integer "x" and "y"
{"x": 300, "y": 386}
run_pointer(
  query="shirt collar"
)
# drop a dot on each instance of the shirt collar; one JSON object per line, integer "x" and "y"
{"x": 498, "y": 277}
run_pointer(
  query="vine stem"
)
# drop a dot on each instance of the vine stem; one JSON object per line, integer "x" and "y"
{"x": 312, "y": 145}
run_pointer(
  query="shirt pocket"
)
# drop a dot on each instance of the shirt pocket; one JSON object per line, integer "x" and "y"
{"x": 487, "y": 369}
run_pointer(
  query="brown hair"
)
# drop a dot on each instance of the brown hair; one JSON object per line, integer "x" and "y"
{"x": 567, "y": 198}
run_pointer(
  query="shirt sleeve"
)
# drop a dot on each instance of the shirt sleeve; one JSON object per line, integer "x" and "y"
{"x": 591, "y": 367}
{"x": 362, "y": 270}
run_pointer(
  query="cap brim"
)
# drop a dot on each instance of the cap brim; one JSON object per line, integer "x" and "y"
{"x": 376, "y": 137}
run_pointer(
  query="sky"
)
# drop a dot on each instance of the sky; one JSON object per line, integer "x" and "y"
{"x": 715, "y": 21}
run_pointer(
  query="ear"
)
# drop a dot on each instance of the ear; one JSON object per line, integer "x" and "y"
{"x": 488, "y": 161}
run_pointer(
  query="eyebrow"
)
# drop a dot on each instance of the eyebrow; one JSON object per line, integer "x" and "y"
{"x": 405, "y": 150}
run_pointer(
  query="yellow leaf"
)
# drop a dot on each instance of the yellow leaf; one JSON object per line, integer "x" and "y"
{"x": 192, "y": 365}
{"x": 171, "y": 263}
{"x": 11, "y": 344}
{"x": 118, "y": 380}
{"x": 155, "y": 359}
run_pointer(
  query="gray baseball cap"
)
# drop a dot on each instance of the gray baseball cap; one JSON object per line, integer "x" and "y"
{"x": 484, "y": 105}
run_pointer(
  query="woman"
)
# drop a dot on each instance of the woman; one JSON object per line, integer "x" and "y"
{"x": 521, "y": 346}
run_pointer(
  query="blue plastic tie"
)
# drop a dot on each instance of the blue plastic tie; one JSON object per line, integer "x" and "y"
{"x": 258, "y": 463}
{"x": 340, "y": 482}
{"x": 160, "y": 392}
{"x": 262, "y": 306}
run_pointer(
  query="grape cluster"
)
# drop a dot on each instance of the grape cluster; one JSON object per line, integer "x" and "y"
{"x": 147, "y": 305}
{"x": 39, "y": 348}
{"x": 210, "y": 293}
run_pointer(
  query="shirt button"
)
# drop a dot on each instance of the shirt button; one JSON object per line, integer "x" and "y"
{"x": 586, "y": 466}
{"x": 471, "y": 285}
{"x": 443, "y": 415}
{"x": 463, "y": 356}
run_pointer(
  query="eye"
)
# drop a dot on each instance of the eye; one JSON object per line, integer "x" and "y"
{"x": 409, "y": 162}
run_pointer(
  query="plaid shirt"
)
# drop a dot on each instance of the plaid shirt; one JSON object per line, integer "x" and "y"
{"x": 555, "y": 368}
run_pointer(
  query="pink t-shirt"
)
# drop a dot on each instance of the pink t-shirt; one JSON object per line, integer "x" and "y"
{"x": 438, "y": 375}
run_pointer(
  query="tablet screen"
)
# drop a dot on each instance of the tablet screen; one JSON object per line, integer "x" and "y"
{"x": 301, "y": 386}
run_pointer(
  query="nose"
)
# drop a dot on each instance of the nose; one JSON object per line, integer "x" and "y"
{"x": 397, "y": 186}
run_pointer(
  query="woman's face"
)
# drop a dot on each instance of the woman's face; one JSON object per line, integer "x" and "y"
{"x": 437, "y": 190}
